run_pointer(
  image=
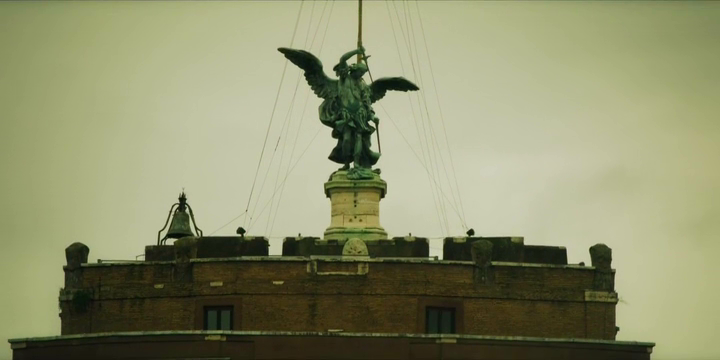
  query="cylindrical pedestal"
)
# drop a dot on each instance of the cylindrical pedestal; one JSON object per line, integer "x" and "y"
{"x": 355, "y": 208}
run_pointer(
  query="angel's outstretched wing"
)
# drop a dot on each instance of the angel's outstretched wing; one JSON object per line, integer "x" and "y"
{"x": 322, "y": 85}
{"x": 380, "y": 86}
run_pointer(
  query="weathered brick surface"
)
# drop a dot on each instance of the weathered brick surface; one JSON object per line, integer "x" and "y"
{"x": 324, "y": 312}
{"x": 600, "y": 318}
{"x": 313, "y": 346}
{"x": 358, "y": 296}
{"x": 247, "y": 271}
{"x": 568, "y": 278}
{"x": 143, "y": 313}
{"x": 525, "y": 318}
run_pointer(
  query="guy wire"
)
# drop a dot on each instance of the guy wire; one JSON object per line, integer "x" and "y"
{"x": 286, "y": 123}
{"x": 302, "y": 114}
{"x": 272, "y": 114}
{"x": 442, "y": 118}
{"x": 434, "y": 143}
{"x": 427, "y": 135}
{"x": 436, "y": 197}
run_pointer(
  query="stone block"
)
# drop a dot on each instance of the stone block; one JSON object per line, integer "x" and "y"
{"x": 408, "y": 246}
{"x": 208, "y": 247}
{"x": 219, "y": 246}
{"x": 327, "y": 247}
{"x": 601, "y": 256}
{"x": 76, "y": 254}
{"x": 538, "y": 254}
{"x": 298, "y": 246}
{"x": 255, "y": 246}
{"x": 508, "y": 249}
{"x": 159, "y": 253}
{"x": 481, "y": 252}
{"x": 185, "y": 249}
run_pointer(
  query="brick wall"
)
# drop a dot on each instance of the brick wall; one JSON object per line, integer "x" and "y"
{"x": 358, "y": 296}
{"x": 312, "y": 346}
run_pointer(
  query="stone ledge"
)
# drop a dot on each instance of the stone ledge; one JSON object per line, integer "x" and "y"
{"x": 339, "y": 179}
{"x": 536, "y": 265}
{"x": 292, "y": 287}
{"x": 329, "y": 334}
{"x": 339, "y": 258}
{"x": 601, "y": 296}
{"x": 362, "y": 269}
{"x": 397, "y": 247}
{"x": 126, "y": 263}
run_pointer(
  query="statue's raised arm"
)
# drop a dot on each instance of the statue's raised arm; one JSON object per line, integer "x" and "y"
{"x": 323, "y": 86}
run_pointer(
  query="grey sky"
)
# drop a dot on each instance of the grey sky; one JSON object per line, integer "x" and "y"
{"x": 571, "y": 123}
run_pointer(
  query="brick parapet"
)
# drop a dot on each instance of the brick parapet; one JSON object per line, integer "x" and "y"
{"x": 373, "y": 295}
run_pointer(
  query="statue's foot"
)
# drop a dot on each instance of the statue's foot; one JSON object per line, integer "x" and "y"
{"x": 377, "y": 171}
{"x": 360, "y": 173}
{"x": 345, "y": 167}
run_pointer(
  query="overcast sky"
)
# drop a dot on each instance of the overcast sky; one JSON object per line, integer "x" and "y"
{"x": 570, "y": 124}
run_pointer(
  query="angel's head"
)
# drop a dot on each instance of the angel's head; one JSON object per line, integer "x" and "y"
{"x": 357, "y": 71}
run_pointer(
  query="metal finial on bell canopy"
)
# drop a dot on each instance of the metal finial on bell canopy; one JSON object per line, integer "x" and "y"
{"x": 180, "y": 224}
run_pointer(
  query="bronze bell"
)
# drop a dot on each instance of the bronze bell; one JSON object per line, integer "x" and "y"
{"x": 180, "y": 224}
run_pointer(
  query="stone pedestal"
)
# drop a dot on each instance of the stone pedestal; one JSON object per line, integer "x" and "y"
{"x": 355, "y": 208}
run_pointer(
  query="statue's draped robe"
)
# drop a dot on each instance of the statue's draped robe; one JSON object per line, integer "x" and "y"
{"x": 350, "y": 111}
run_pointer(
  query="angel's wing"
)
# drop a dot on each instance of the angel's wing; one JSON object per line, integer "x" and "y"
{"x": 322, "y": 85}
{"x": 380, "y": 86}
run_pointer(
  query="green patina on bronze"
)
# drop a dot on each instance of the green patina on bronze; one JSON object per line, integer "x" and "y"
{"x": 347, "y": 107}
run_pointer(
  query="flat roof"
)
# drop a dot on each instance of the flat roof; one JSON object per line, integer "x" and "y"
{"x": 431, "y": 260}
{"x": 328, "y": 334}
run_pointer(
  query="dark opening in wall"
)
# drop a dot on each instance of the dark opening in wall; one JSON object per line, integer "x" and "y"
{"x": 218, "y": 318}
{"x": 439, "y": 320}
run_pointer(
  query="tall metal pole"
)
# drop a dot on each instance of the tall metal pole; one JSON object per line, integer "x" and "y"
{"x": 360, "y": 59}
{"x": 359, "y": 44}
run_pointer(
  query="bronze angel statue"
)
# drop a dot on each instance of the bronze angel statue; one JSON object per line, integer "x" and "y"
{"x": 347, "y": 106}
